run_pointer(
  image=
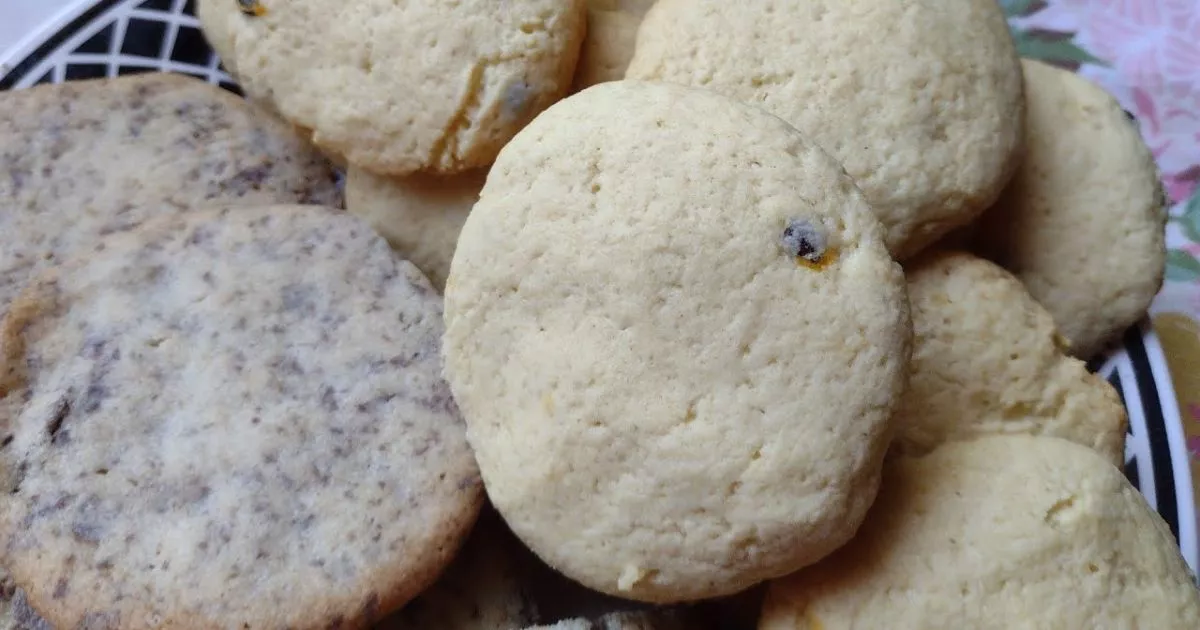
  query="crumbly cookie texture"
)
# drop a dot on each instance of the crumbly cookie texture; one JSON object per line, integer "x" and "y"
{"x": 1082, "y": 223}
{"x": 988, "y": 359}
{"x": 919, "y": 100}
{"x": 485, "y": 588}
{"x": 230, "y": 418}
{"x": 979, "y": 534}
{"x": 671, "y": 392}
{"x": 83, "y": 159}
{"x": 612, "y": 27}
{"x": 419, "y": 215}
{"x": 641, "y": 620}
{"x": 396, "y": 88}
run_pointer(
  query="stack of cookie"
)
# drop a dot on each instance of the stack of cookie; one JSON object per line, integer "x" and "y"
{"x": 634, "y": 311}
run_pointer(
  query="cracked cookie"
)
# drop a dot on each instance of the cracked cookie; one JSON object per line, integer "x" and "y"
{"x": 84, "y": 159}
{"x": 1083, "y": 222}
{"x": 419, "y": 215}
{"x": 230, "y": 418}
{"x": 987, "y": 358}
{"x": 999, "y": 532}
{"x": 673, "y": 393}
{"x": 919, "y": 100}
{"x": 395, "y": 88}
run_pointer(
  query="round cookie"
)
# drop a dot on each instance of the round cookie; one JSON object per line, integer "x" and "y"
{"x": 1082, "y": 223}
{"x": 612, "y": 27}
{"x": 485, "y": 588}
{"x": 419, "y": 215}
{"x": 1000, "y": 532}
{"x": 397, "y": 88}
{"x": 231, "y": 418}
{"x": 919, "y": 100}
{"x": 677, "y": 339}
{"x": 89, "y": 158}
{"x": 988, "y": 359}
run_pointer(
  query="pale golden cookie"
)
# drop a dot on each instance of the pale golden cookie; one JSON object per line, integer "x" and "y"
{"x": 988, "y": 359}
{"x": 920, "y": 100}
{"x": 612, "y": 27}
{"x": 1082, "y": 223}
{"x": 395, "y": 88}
{"x": 85, "y": 159}
{"x": 419, "y": 215}
{"x": 1002, "y": 532}
{"x": 677, "y": 339}
{"x": 231, "y": 419}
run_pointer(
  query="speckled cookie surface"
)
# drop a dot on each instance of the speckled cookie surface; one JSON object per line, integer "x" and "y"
{"x": 231, "y": 418}
{"x": 1002, "y": 532}
{"x": 485, "y": 588}
{"x": 920, "y": 100}
{"x": 1082, "y": 223}
{"x": 87, "y": 158}
{"x": 419, "y": 215}
{"x": 988, "y": 359}
{"x": 401, "y": 87}
{"x": 612, "y": 27}
{"x": 677, "y": 339}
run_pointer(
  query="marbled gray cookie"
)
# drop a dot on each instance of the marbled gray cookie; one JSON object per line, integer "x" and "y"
{"x": 486, "y": 587}
{"x": 230, "y": 419}
{"x": 82, "y": 159}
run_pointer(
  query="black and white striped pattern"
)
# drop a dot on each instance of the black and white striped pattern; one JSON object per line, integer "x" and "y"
{"x": 1155, "y": 451}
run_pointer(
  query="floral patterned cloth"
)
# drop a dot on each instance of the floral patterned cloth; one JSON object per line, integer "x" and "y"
{"x": 1146, "y": 53}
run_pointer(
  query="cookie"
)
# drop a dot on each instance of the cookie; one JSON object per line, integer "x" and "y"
{"x": 485, "y": 587}
{"x": 420, "y": 215}
{"x": 1035, "y": 531}
{"x": 84, "y": 159}
{"x": 642, "y": 620}
{"x": 919, "y": 100}
{"x": 397, "y": 88}
{"x": 612, "y": 27}
{"x": 988, "y": 359}
{"x": 677, "y": 339}
{"x": 231, "y": 418}
{"x": 1082, "y": 223}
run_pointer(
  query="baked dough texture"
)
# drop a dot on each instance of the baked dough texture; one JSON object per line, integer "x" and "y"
{"x": 84, "y": 159}
{"x": 399, "y": 87}
{"x": 419, "y": 215}
{"x": 1083, "y": 222}
{"x": 230, "y": 418}
{"x": 920, "y": 100}
{"x": 1001, "y": 532}
{"x": 612, "y": 27}
{"x": 988, "y": 359}
{"x": 667, "y": 398}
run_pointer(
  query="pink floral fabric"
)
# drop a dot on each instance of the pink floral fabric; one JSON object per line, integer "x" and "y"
{"x": 1146, "y": 53}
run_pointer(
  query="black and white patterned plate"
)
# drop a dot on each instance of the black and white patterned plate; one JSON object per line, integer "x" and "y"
{"x": 108, "y": 38}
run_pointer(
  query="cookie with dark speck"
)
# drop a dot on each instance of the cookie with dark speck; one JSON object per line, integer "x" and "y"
{"x": 230, "y": 419}
{"x": 485, "y": 588}
{"x": 83, "y": 159}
